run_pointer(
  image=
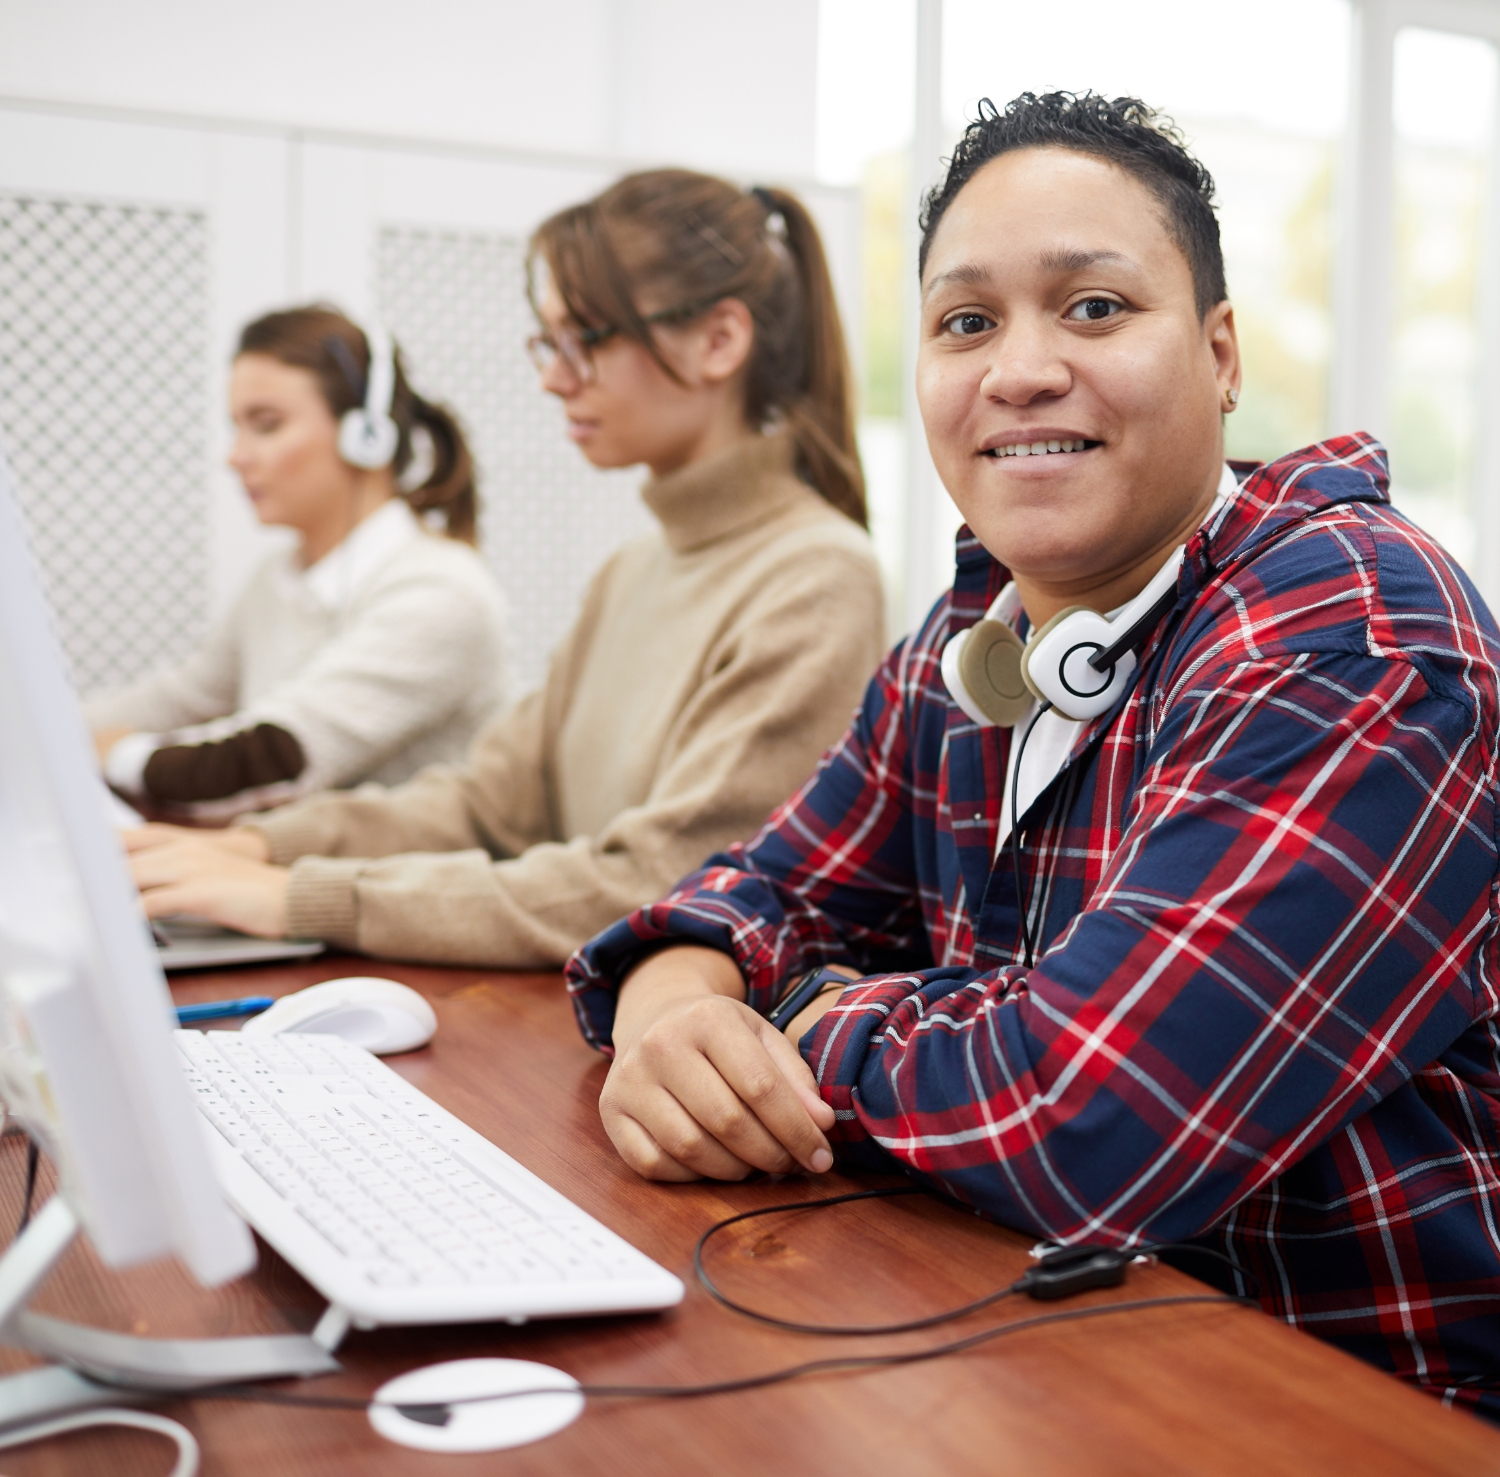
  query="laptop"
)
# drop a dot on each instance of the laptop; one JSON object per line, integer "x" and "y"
{"x": 195, "y": 943}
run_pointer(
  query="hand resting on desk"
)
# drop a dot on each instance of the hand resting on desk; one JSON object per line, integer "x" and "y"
{"x": 702, "y": 1086}
{"x": 219, "y": 875}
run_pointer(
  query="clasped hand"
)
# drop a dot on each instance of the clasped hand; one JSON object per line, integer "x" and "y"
{"x": 701, "y": 1085}
{"x": 219, "y": 875}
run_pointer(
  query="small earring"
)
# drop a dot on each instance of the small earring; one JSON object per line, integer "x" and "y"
{"x": 1233, "y": 397}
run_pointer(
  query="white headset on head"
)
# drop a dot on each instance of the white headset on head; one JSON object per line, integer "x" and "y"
{"x": 1079, "y": 661}
{"x": 368, "y": 436}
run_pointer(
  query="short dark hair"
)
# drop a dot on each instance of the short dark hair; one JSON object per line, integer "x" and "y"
{"x": 1122, "y": 130}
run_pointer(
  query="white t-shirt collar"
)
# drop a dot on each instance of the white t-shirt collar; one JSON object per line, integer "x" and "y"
{"x": 1048, "y": 748}
{"x": 335, "y": 579}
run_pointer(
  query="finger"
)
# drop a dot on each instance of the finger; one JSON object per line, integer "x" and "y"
{"x": 241, "y": 842}
{"x": 757, "y": 1078}
{"x": 799, "y": 1075}
{"x": 686, "y": 1140}
{"x": 718, "y": 1133}
{"x": 186, "y": 861}
{"x": 153, "y": 834}
{"x": 157, "y": 868}
{"x": 166, "y": 901}
{"x": 642, "y": 1153}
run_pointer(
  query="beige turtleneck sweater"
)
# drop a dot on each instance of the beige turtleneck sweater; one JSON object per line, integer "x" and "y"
{"x": 711, "y": 665}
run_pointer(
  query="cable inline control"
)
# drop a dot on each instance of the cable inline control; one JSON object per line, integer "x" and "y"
{"x": 1066, "y": 1270}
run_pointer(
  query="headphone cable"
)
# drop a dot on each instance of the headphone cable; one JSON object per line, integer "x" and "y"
{"x": 1074, "y": 1276}
{"x": 1060, "y": 1271}
{"x": 438, "y": 1412}
{"x": 1023, "y": 899}
{"x": 787, "y": 1325}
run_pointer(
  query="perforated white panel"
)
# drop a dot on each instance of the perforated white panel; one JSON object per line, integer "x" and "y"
{"x": 456, "y": 302}
{"x": 103, "y": 371}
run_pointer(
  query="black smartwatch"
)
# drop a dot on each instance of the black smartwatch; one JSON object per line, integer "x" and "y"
{"x": 804, "y": 990}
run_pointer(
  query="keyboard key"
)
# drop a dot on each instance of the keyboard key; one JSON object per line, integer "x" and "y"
{"x": 343, "y": 1086}
{"x": 492, "y": 1271}
{"x": 388, "y": 1274}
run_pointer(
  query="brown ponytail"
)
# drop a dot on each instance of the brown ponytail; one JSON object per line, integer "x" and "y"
{"x": 687, "y": 241}
{"x": 304, "y": 338}
{"x": 449, "y": 488}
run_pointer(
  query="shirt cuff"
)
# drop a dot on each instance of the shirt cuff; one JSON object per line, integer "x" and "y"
{"x": 322, "y": 900}
{"x": 125, "y": 764}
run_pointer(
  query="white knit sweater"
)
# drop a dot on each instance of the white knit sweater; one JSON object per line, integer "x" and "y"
{"x": 384, "y": 656}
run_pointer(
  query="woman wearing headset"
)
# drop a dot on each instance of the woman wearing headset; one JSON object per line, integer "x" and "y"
{"x": 689, "y": 326}
{"x": 1213, "y": 962}
{"x": 372, "y": 648}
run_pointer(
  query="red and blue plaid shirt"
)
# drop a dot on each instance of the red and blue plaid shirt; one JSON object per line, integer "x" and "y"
{"x": 1263, "y": 1013}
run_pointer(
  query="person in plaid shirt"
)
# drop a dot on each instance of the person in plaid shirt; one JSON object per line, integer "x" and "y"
{"x": 1261, "y": 887}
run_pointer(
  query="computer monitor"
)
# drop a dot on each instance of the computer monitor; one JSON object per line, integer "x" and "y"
{"x": 87, "y": 1061}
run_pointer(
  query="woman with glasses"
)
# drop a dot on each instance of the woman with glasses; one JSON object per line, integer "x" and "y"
{"x": 690, "y": 327}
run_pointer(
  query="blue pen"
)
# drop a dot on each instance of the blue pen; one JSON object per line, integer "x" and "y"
{"x": 217, "y": 1010}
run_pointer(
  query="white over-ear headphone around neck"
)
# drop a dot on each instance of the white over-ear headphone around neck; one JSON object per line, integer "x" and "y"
{"x": 368, "y": 436}
{"x": 1079, "y": 661}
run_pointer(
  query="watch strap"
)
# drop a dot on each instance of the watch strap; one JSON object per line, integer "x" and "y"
{"x": 803, "y": 991}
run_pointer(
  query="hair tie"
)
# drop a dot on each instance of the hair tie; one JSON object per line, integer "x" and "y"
{"x": 775, "y": 220}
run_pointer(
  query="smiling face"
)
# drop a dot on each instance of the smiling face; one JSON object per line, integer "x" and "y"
{"x": 1071, "y": 394}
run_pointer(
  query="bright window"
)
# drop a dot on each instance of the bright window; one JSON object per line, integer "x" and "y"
{"x": 1444, "y": 99}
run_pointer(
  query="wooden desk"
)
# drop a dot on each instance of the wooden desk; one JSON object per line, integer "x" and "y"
{"x": 1191, "y": 1390}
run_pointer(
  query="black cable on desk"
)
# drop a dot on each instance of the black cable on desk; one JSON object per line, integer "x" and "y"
{"x": 1060, "y": 1272}
{"x": 787, "y": 1325}
{"x": 721, "y": 1387}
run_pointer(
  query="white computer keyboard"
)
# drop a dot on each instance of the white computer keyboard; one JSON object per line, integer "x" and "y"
{"x": 395, "y": 1210}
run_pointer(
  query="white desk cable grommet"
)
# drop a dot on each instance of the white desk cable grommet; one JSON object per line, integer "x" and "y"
{"x": 186, "y": 1443}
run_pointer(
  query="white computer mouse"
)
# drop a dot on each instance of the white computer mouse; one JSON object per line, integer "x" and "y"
{"x": 377, "y": 1014}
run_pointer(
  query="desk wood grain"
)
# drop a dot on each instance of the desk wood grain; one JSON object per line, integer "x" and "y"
{"x": 1187, "y": 1390}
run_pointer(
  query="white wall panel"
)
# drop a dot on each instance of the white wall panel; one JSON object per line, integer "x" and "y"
{"x": 703, "y": 84}
{"x": 103, "y": 359}
{"x": 103, "y": 160}
{"x": 336, "y": 193}
{"x": 720, "y": 87}
{"x": 478, "y": 194}
{"x": 249, "y": 214}
{"x": 501, "y": 72}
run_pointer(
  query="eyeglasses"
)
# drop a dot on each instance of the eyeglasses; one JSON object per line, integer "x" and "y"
{"x": 575, "y": 346}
